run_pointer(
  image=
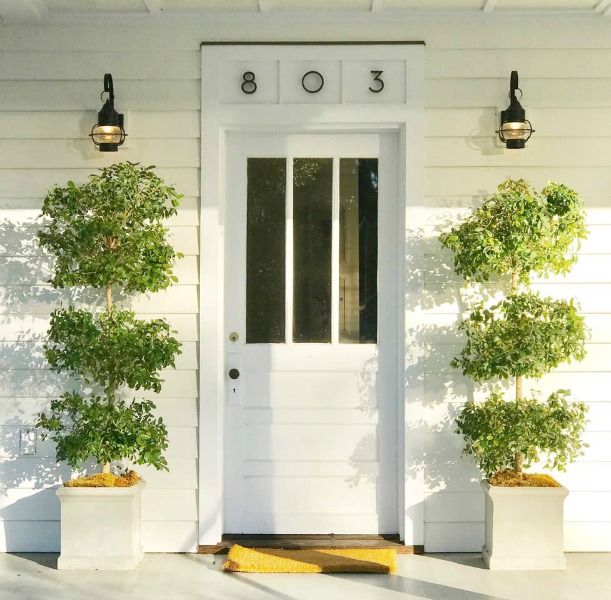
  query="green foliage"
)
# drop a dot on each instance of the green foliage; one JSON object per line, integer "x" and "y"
{"x": 108, "y": 231}
{"x": 519, "y": 229}
{"x": 82, "y": 427}
{"x": 519, "y": 232}
{"x": 496, "y": 430}
{"x": 110, "y": 349}
{"x": 523, "y": 335}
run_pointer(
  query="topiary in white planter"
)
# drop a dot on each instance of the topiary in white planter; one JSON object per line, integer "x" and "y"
{"x": 100, "y": 527}
{"x": 516, "y": 234}
{"x": 108, "y": 235}
{"x": 524, "y": 527}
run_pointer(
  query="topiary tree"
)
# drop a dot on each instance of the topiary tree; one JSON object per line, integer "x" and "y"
{"x": 517, "y": 233}
{"x": 108, "y": 234}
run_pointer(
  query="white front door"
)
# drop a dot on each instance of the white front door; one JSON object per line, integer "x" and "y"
{"x": 311, "y": 335}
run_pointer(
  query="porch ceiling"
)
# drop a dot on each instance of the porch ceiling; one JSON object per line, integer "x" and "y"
{"x": 66, "y": 11}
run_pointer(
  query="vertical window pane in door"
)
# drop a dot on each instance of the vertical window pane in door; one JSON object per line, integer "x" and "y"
{"x": 358, "y": 256}
{"x": 312, "y": 204}
{"x": 265, "y": 250}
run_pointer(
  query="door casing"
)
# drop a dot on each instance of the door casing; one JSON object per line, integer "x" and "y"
{"x": 218, "y": 118}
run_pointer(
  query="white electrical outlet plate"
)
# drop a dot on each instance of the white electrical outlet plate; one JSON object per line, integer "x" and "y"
{"x": 27, "y": 441}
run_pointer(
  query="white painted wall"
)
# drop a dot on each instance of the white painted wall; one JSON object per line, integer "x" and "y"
{"x": 50, "y": 79}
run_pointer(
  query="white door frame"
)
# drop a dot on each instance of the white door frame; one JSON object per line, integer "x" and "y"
{"x": 225, "y": 109}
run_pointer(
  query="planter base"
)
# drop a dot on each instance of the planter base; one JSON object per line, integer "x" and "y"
{"x": 524, "y": 528}
{"x": 523, "y": 563}
{"x": 100, "y": 528}
{"x": 106, "y": 563}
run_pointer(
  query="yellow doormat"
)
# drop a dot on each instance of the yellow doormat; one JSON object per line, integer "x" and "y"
{"x": 319, "y": 560}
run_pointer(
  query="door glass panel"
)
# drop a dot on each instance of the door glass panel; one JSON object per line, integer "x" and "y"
{"x": 358, "y": 250}
{"x": 265, "y": 250}
{"x": 312, "y": 204}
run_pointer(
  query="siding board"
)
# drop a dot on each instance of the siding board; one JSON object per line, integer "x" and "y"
{"x": 540, "y": 152}
{"x": 542, "y": 93}
{"x": 71, "y": 66}
{"x": 540, "y": 64}
{"x": 85, "y": 95}
{"x": 62, "y": 125}
{"x": 36, "y": 180}
{"x": 468, "y": 122}
{"x": 27, "y": 327}
{"x": 70, "y": 154}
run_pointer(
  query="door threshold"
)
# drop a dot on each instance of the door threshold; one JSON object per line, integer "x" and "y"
{"x": 303, "y": 542}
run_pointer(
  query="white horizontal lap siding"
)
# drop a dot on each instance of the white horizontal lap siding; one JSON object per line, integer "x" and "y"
{"x": 567, "y": 98}
{"x": 50, "y": 83}
{"x": 48, "y": 103}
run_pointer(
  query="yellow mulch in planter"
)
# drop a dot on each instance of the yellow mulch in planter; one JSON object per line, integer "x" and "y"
{"x": 105, "y": 480}
{"x": 315, "y": 560}
{"x": 513, "y": 479}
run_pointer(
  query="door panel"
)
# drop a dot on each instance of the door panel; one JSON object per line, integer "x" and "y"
{"x": 310, "y": 423}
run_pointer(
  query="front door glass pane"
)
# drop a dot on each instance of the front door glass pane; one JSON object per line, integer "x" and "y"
{"x": 358, "y": 250}
{"x": 312, "y": 204}
{"x": 265, "y": 250}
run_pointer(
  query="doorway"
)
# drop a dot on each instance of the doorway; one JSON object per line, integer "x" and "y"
{"x": 311, "y": 330}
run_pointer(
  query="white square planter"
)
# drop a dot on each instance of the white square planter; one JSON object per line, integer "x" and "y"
{"x": 524, "y": 527}
{"x": 100, "y": 527}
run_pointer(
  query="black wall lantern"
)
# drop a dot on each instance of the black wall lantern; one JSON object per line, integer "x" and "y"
{"x": 108, "y": 134}
{"x": 515, "y": 130}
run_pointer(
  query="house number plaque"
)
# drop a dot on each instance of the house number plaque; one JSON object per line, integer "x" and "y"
{"x": 312, "y": 82}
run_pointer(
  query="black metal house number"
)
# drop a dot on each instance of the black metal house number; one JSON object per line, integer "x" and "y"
{"x": 377, "y": 79}
{"x": 248, "y": 83}
{"x": 312, "y": 82}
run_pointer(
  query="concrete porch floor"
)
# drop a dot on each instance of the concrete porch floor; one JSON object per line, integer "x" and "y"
{"x": 185, "y": 576}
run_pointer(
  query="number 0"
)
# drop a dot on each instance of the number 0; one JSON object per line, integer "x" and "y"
{"x": 376, "y": 78}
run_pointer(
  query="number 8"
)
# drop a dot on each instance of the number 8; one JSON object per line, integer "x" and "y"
{"x": 248, "y": 81}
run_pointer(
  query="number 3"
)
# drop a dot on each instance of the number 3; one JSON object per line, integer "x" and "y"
{"x": 377, "y": 79}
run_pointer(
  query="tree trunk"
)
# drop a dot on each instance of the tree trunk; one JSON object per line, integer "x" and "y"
{"x": 519, "y": 458}
{"x": 109, "y": 393}
{"x": 514, "y": 288}
{"x": 519, "y": 463}
{"x": 514, "y": 280}
{"x": 109, "y": 299}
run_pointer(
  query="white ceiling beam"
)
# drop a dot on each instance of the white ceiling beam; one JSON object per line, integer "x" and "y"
{"x": 23, "y": 11}
{"x": 153, "y": 6}
{"x": 489, "y": 5}
{"x": 377, "y": 5}
{"x": 265, "y": 5}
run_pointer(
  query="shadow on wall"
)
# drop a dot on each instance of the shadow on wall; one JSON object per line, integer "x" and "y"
{"x": 27, "y": 464}
{"x": 483, "y": 139}
{"x": 431, "y": 345}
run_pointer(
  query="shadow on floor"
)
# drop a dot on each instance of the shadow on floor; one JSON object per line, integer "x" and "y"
{"x": 471, "y": 559}
{"x": 44, "y": 559}
{"x": 418, "y": 588}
